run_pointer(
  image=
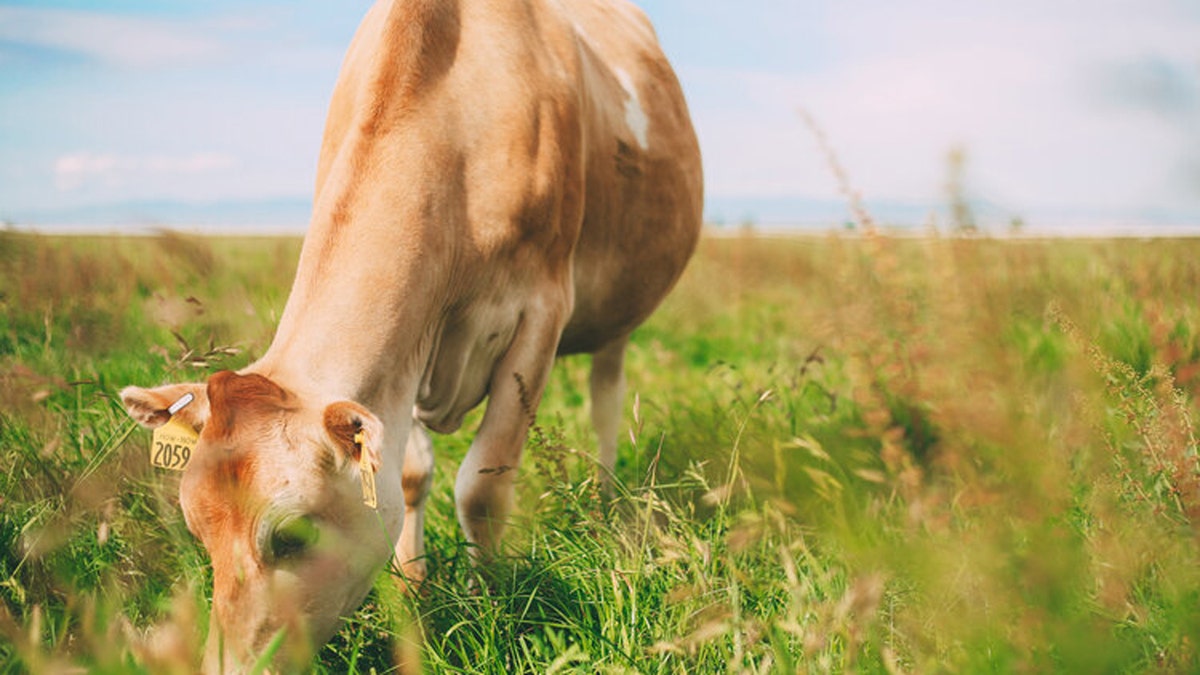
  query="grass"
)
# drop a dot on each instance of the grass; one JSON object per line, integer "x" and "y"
{"x": 945, "y": 453}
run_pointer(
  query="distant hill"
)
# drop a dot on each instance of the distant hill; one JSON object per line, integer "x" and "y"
{"x": 804, "y": 212}
{"x": 291, "y": 215}
{"x": 273, "y": 215}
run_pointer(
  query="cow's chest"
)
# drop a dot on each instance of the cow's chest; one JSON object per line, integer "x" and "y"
{"x": 463, "y": 357}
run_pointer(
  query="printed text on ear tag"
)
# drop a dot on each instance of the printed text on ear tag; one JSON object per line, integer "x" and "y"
{"x": 370, "y": 498}
{"x": 172, "y": 445}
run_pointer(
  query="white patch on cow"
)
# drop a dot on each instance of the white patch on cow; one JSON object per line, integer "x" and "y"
{"x": 635, "y": 117}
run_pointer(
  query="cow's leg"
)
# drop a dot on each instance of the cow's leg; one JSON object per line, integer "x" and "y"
{"x": 416, "y": 480}
{"x": 608, "y": 396}
{"x": 484, "y": 487}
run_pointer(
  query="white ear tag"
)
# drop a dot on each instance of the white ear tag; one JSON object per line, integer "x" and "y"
{"x": 370, "y": 498}
{"x": 172, "y": 444}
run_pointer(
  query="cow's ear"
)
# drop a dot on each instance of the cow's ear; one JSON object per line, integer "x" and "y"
{"x": 151, "y": 408}
{"x": 355, "y": 432}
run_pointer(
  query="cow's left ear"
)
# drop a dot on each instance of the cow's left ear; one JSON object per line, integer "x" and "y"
{"x": 152, "y": 408}
{"x": 355, "y": 432}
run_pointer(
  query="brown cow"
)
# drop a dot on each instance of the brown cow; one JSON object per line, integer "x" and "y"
{"x": 500, "y": 181}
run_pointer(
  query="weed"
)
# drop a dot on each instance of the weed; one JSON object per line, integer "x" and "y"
{"x": 845, "y": 453}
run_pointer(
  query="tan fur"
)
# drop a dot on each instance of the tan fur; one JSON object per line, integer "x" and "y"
{"x": 231, "y": 395}
{"x": 500, "y": 181}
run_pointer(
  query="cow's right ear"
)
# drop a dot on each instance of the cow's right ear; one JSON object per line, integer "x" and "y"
{"x": 151, "y": 407}
{"x": 356, "y": 433}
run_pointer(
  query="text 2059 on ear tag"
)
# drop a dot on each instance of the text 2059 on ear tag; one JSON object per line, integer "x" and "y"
{"x": 172, "y": 444}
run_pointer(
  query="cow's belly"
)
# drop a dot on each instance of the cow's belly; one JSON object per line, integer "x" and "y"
{"x": 621, "y": 278}
{"x": 463, "y": 357}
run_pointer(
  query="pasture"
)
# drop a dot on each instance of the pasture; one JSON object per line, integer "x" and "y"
{"x": 863, "y": 453}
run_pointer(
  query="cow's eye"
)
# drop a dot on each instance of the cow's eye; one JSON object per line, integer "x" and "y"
{"x": 292, "y": 537}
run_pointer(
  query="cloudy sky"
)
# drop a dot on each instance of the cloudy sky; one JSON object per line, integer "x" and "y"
{"x": 1070, "y": 108}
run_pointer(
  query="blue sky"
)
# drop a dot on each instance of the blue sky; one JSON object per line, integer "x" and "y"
{"x": 1084, "y": 107}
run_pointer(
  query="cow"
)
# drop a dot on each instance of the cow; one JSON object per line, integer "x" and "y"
{"x": 499, "y": 182}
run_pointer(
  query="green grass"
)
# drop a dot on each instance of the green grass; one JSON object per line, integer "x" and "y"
{"x": 845, "y": 453}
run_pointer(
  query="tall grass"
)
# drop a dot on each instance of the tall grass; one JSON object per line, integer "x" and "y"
{"x": 845, "y": 453}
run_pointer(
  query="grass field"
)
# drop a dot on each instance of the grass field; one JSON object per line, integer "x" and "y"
{"x": 848, "y": 453}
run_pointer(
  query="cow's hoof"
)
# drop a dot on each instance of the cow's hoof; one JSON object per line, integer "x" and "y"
{"x": 412, "y": 575}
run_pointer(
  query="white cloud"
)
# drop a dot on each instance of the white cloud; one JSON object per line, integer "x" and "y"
{"x": 187, "y": 104}
{"x": 250, "y": 37}
{"x": 83, "y": 170}
{"x": 113, "y": 39}
{"x": 1014, "y": 83}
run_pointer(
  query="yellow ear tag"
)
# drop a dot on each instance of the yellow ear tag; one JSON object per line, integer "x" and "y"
{"x": 370, "y": 498}
{"x": 172, "y": 445}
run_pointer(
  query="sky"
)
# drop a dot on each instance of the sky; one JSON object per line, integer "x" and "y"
{"x": 1072, "y": 109}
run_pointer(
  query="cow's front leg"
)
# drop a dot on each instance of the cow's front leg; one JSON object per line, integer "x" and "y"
{"x": 484, "y": 487}
{"x": 416, "y": 480}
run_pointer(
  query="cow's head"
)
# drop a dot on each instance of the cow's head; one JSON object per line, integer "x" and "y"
{"x": 273, "y": 493}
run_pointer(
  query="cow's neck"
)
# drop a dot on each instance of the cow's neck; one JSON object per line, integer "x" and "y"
{"x": 357, "y": 322}
{"x": 354, "y": 324}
